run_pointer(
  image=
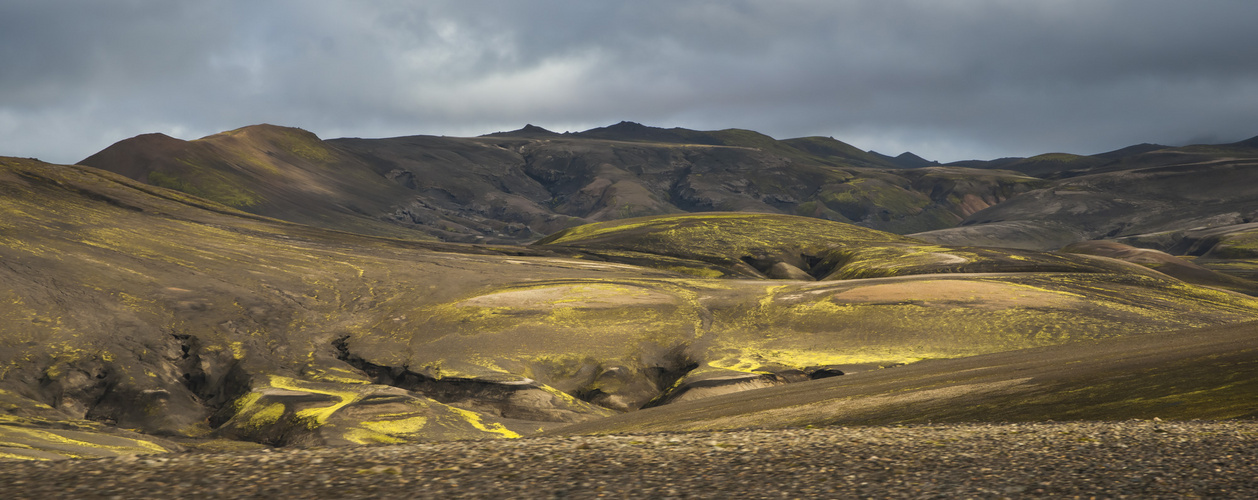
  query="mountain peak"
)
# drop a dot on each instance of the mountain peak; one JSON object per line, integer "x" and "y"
{"x": 528, "y": 131}
{"x": 633, "y": 131}
{"x": 1137, "y": 149}
{"x": 153, "y": 139}
{"x": 264, "y": 130}
{"x": 905, "y": 160}
{"x": 128, "y": 153}
{"x": 908, "y": 158}
{"x": 628, "y": 125}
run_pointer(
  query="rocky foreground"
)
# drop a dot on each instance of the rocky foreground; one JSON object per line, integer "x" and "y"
{"x": 1134, "y": 459}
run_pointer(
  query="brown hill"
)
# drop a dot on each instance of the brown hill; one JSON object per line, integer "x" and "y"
{"x": 280, "y": 172}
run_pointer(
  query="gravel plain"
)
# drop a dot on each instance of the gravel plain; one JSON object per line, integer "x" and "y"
{"x": 1131, "y": 459}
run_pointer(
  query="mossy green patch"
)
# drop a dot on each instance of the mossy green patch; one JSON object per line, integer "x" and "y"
{"x": 1239, "y": 245}
{"x": 866, "y": 197}
{"x": 478, "y": 423}
{"x": 35, "y": 439}
{"x": 201, "y": 181}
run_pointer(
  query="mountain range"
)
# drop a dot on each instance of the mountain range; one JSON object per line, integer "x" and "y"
{"x": 514, "y": 187}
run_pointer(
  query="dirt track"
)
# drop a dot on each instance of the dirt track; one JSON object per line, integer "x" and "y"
{"x": 1135, "y": 459}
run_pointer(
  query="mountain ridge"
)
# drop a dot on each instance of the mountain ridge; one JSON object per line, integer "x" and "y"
{"x": 517, "y": 186}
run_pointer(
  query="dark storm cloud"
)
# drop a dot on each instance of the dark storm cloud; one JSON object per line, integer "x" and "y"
{"x": 948, "y": 80}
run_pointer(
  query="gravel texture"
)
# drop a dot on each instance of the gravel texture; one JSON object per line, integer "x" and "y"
{"x": 1132, "y": 459}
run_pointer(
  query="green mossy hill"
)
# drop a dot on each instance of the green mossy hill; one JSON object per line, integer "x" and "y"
{"x": 741, "y": 230}
{"x": 789, "y": 247}
{"x": 1232, "y": 250}
{"x": 1236, "y": 245}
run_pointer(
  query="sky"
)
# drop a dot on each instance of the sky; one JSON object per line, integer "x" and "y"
{"x": 954, "y": 80}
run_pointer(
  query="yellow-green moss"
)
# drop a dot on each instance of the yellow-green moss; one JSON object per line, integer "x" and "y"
{"x": 318, "y": 416}
{"x": 268, "y": 415}
{"x": 474, "y": 419}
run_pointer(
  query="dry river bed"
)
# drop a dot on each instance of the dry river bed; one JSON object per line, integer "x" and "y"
{"x": 1132, "y": 459}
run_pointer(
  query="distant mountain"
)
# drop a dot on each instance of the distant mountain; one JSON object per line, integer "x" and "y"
{"x": 529, "y": 131}
{"x": 834, "y": 150}
{"x": 1057, "y": 165}
{"x": 1138, "y": 149}
{"x": 519, "y": 185}
{"x": 822, "y": 150}
{"x": 998, "y": 163}
{"x": 1045, "y": 165}
{"x": 631, "y": 131}
{"x": 1252, "y": 142}
{"x": 906, "y": 160}
{"x": 1180, "y": 200}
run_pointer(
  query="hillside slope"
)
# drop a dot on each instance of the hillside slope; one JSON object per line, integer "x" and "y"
{"x": 1196, "y": 374}
{"x": 280, "y": 172}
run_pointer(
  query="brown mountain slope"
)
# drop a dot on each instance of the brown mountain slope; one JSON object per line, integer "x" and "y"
{"x": 280, "y": 172}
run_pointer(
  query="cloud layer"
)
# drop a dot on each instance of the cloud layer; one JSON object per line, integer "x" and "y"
{"x": 947, "y": 80}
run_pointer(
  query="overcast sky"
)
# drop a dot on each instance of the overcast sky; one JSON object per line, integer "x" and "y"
{"x": 948, "y": 80}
